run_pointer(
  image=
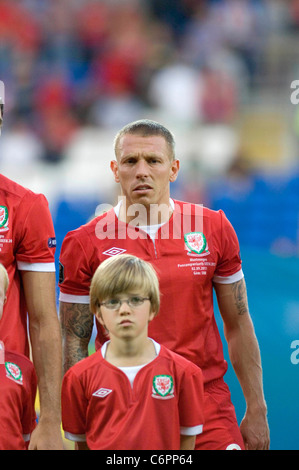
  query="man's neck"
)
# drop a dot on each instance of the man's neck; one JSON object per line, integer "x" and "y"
{"x": 142, "y": 215}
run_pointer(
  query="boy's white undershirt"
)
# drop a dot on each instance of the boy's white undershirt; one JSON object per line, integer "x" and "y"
{"x": 131, "y": 371}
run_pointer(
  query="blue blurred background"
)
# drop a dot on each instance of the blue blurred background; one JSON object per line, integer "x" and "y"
{"x": 218, "y": 73}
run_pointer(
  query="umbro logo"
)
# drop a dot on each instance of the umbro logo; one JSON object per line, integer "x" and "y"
{"x": 114, "y": 251}
{"x": 102, "y": 392}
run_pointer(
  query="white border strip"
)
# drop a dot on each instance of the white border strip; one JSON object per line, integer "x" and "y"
{"x": 192, "y": 431}
{"x": 38, "y": 267}
{"x": 75, "y": 437}
{"x": 74, "y": 299}
{"x": 229, "y": 279}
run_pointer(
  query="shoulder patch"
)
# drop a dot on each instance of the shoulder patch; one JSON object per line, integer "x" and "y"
{"x": 61, "y": 273}
{"x": 3, "y": 219}
{"x": 13, "y": 371}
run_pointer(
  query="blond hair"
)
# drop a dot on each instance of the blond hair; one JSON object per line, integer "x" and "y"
{"x": 123, "y": 274}
{"x": 5, "y": 277}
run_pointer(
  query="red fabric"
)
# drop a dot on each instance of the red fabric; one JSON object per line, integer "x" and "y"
{"x": 17, "y": 398}
{"x": 185, "y": 323}
{"x": 99, "y": 403}
{"x": 26, "y": 237}
{"x": 221, "y": 430}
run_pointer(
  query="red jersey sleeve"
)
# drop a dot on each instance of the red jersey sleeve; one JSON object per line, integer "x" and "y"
{"x": 74, "y": 407}
{"x": 17, "y": 401}
{"x": 229, "y": 267}
{"x": 191, "y": 401}
{"x": 74, "y": 269}
{"x": 36, "y": 236}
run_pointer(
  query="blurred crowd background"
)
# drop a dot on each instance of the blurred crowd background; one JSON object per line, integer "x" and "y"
{"x": 218, "y": 73}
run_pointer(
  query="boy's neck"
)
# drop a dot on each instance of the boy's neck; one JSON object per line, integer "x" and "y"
{"x": 130, "y": 353}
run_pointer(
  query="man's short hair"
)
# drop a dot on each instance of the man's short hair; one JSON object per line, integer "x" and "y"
{"x": 147, "y": 128}
{"x": 123, "y": 274}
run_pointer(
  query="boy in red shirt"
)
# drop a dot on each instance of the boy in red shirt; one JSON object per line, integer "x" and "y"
{"x": 133, "y": 393}
{"x": 18, "y": 386}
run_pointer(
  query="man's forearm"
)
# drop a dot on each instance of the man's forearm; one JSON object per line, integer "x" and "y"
{"x": 76, "y": 326}
{"x": 45, "y": 337}
{"x": 245, "y": 357}
{"x": 47, "y": 359}
{"x": 242, "y": 343}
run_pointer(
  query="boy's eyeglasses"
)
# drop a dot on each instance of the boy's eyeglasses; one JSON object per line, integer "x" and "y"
{"x": 133, "y": 302}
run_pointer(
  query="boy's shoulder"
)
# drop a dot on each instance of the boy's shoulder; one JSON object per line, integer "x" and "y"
{"x": 17, "y": 357}
{"x": 18, "y": 361}
{"x": 95, "y": 359}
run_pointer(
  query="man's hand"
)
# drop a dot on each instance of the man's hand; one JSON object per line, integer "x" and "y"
{"x": 255, "y": 431}
{"x": 46, "y": 436}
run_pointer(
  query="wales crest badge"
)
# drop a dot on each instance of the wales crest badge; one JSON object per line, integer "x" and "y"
{"x": 196, "y": 243}
{"x": 163, "y": 387}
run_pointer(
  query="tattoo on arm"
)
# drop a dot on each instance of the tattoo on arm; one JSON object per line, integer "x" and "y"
{"x": 240, "y": 296}
{"x": 76, "y": 322}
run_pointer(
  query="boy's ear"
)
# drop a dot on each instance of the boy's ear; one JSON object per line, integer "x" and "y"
{"x": 99, "y": 315}
{"x": 151, "y": 316}
{"x": 100, "y": 319}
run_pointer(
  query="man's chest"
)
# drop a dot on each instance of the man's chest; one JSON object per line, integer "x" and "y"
{"x": 193, "y": 256}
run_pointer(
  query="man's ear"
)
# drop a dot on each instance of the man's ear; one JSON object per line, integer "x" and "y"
{"x": 175, "y": 166}
{"x": 114, "y": 169}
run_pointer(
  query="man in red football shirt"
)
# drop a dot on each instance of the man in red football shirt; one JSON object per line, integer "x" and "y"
{"x": 18, "y": 385}
{"x": 27, "y": 250}
{"x": 194, "y": 250}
